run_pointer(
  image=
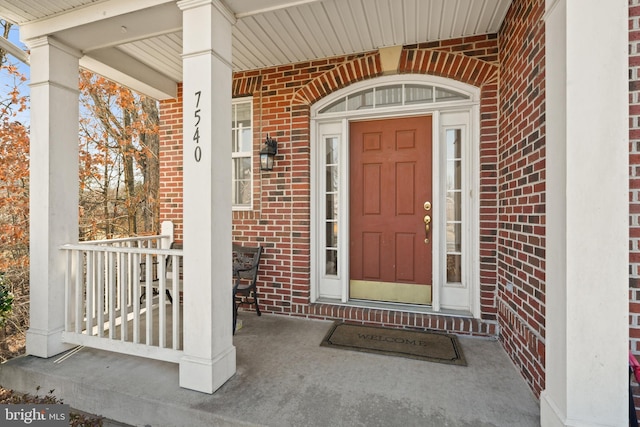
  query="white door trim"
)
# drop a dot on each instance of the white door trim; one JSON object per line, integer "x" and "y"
{"x": 334, "y": 288}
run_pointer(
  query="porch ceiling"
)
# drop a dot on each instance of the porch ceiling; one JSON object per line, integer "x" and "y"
{"x": 139, "y": 43}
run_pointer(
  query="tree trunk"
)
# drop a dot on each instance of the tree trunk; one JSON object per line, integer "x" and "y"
{"x": 129, "y": 178}
{"x": 6, "y": 27}
{"x": 151, "y": 166}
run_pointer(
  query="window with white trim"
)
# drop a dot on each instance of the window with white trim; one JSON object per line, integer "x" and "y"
{"x": 242, "y": 153}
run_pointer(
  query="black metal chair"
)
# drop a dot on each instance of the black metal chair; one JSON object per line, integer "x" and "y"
{"x": 169, "y": 270}
{"x": 155, "y": 279}
{"x": 245, "y": 275}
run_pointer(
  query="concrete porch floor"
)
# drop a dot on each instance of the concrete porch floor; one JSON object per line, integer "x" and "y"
{"x": 284, "y": 378}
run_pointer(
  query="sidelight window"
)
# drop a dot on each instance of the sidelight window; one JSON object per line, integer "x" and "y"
{"x": 454, "y": 205}
{"x": 241, "y": 153}
{"x": 331, "y": 204}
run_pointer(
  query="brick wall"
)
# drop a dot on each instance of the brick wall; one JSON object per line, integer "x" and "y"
{"x": 634, "y": 173}
{"x": 634, "y": 182}
{"x": 280, "y": 218}
{"x": 512, "y": 216}
{"x": 170, "y": 191}
{"x": 521, "y": 190}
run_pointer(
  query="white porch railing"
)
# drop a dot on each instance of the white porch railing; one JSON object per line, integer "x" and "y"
{"x": 116, "y": 297}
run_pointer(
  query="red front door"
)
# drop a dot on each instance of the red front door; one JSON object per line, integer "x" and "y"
{"x": 390, "y": 167}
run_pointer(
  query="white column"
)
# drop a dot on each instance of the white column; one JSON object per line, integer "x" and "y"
{"x": 587, "y": 214}
{"x": 53, "y": 188}
{"x": 209, "y": 355}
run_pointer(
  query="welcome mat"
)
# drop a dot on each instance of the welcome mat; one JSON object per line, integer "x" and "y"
{"x": 430, "y": 346}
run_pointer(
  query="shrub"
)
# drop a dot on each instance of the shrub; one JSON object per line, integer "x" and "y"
{"x": 6, "y": 301}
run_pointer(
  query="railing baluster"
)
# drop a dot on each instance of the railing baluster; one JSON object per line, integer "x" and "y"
{"x": 100, "y": 293}
{"x": 122, "y": 286}
{"x": 175, "y": 280}
{"x": 78, "y": 291}
{"x": 130, "y": 269}
{"x": 68, "y": 280}
{"x": 111, "y": 300}
{"x": 162, "y": 307}
{"x": 90, "y": 274}
{"x": 135, "y": 285}
{"x": 149, "y": 300}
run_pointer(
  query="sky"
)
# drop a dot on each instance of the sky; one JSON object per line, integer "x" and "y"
{"x": 14, "y": 37}
{"x": 6, "y": 81}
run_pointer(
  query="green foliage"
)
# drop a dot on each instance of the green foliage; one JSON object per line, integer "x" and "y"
{"x": 6, "y": 301}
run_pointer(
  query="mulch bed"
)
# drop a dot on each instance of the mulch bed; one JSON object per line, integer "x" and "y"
{"x": 76, "y": 419}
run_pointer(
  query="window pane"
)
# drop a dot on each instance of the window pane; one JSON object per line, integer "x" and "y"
{"x": 448, "y": 95}
{"x": 332, "y": 234}
{"x": 454, "y": 175}
{"x": 418, "y": 94}
{"x": 453, "y": 143}
{"x": 234, "y": 141}
{"x": 245, "y": 142}
{"x": 454, "y": 268}
{"x": 334, "y": 107}
{"x": 332, "y": 262}
{"x": 332, "y": 178}
{"x": 454, "y": 237}
{"x": 332, "y": 150}
{"x": 454, "y": 159}
{"x": 241, "y": 181}
{"x": 389, "y": 95}
{"x": 361, "y": 100}
{"x": 332, "y": 206}
{"x": 243, "y": 115}
{"x": 454, "y": 205}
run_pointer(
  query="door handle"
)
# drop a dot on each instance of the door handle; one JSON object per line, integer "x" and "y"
{"x": 427, "y": 228}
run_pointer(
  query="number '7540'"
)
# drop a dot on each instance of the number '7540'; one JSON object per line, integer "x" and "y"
{"x": 196, "y": 134}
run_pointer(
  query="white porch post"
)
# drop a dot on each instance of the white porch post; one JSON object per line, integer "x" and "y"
{"x": 53, "y": 187}
{"x": 587, "y": 214}
{"x": 209, "y": 355}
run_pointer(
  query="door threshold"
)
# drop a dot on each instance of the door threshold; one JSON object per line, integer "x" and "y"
{"x": 408, "y": 308}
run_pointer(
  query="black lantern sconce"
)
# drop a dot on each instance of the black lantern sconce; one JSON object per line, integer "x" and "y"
{"x": 268, "y": 152}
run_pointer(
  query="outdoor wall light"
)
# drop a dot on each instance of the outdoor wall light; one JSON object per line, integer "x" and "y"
{"x": 268, "y": 152}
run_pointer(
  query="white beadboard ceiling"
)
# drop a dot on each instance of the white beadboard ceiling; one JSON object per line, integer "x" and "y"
{"x": 144, "y": 37}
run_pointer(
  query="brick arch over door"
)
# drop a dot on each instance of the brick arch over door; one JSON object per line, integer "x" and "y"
{"x": 438, "y": 62}
{"x": 455, "y": 66}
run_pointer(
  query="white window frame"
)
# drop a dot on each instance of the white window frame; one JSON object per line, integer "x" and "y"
{"x": 242, "y": 154}
{"x": 446, "y": 115}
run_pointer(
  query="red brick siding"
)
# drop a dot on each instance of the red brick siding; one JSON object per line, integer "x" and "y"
{"x": 634, "y": 182}
{"x": 170, "y": 191}
{"x": 521, "y": 190}
{"x": 512, "y": 179}
{"x": 634, "y": 173}
{"x": 280, "y": 218}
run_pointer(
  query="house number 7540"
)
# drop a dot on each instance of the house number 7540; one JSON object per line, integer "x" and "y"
{"x": 196, "y": 135}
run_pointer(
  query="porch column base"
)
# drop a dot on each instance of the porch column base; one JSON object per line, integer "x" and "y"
{"x": 206, "y": 375}
{"x": 549, "y": 413}
{"x": 45, "y": 344}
